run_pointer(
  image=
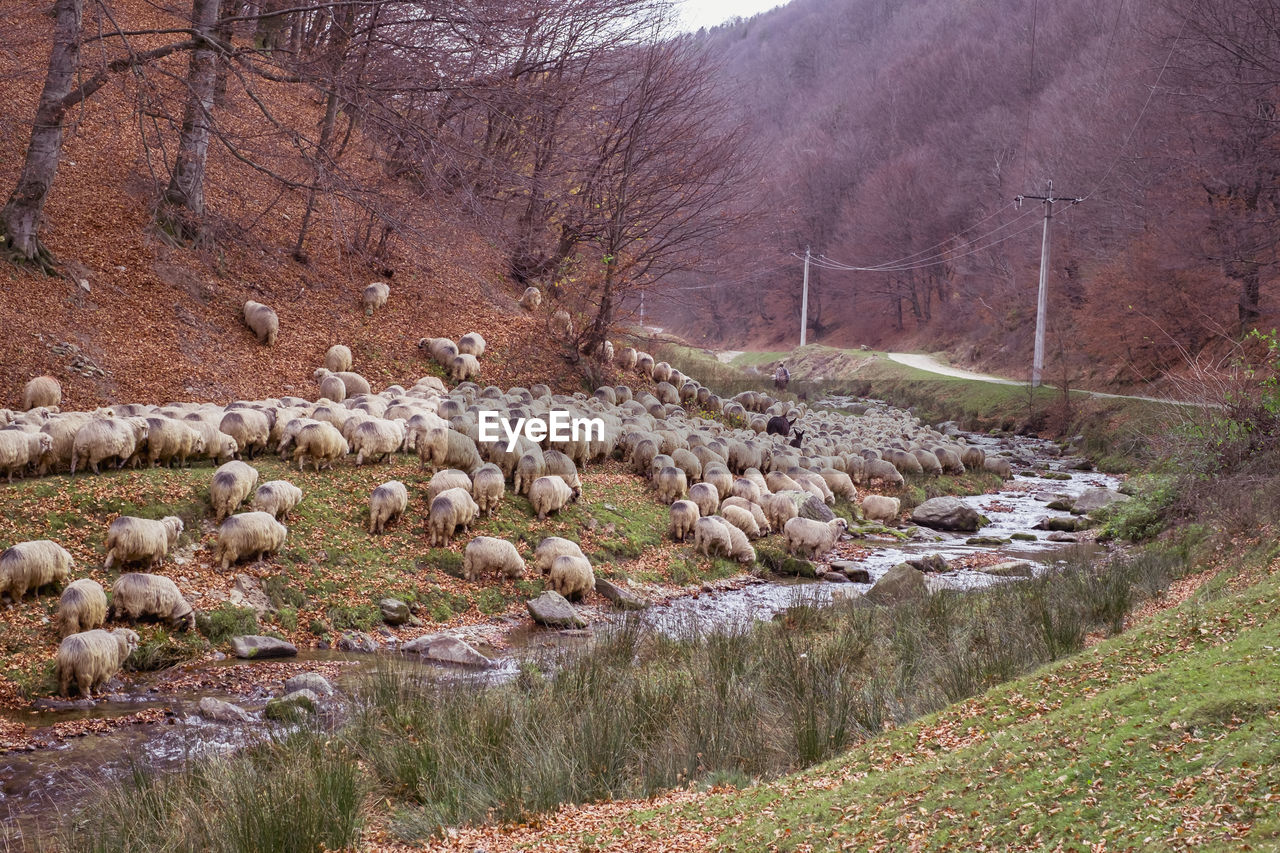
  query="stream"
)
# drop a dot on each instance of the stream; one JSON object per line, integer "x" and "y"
{"x": 39, "y": 786}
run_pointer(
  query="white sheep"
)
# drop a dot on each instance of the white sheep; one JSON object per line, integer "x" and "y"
{"x": 550, "y": 548}
{"x": 449, "y": 448}
{"x": 741, "y": 519}
{"x": 250, "y": 428}
{"x": 262, "y": 321}
{"x": 333, "y": 388}
{"x": 840, "y": 483}
{"x": 377, "y": 439}
{"x": 472, "y": 343}
{"x": 137, "y": 595}
{"x": 571, "y": 576}
{"x": 375, "y": 296}
{"x": 813, "y": 538}
{"x": 779, "y": 509}
{"x": 321, "y": 444}
{"x": 683, "y": 516}
{"x": 756, "y": 512}
{"x": 739, "y": 548}
{"x": 42, "y": 391}
{"x": 531, "y": 299}
{"x": 884, "y": 471}
{"x": 232, "y": 483}
{"x": 170, "y": 441}
{"x": 31, "y": 565}
{"x": 337, "y": 358}
{"x": 277, "y": 497}
{"x": 670, "y": 483}
{"x": 141, "y": 540}
{"x": 92, "y": 658}
{"x": 450, "y": 510}
{"x": 448, "y": 478}
{"x": 551, "y": 494}
{"x": 880, "y": 508}
{"x": 386, "y": 504}
{"x": 249, "y": 534}
{"x": 107, "y": 438}
{"x": 626, "y": 358}
{"x": 464, "y": 366}
{"x": 82, "y": 607}
{"x": 488, "y": 553}
{"x": 20, "y": 448}
{"x": 711, "y": 536}
{"x": 488, "y": 488}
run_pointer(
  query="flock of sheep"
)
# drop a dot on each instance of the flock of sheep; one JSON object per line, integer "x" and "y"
{"x": 725, "y": 485}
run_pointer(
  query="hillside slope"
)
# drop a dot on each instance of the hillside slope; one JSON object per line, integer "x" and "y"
{"x": 163, "y": 323}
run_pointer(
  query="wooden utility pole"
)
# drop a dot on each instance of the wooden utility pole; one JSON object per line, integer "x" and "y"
{"x": 1042, "y": 299}
{"x": 804, "y": 299}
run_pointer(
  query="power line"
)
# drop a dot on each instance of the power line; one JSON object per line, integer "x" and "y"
{"x": 828, "y": 264}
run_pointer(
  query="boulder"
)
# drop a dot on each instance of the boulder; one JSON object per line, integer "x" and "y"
{"x": 446, "y": 648}
{"x": 852, "y": 571}
{"x": 1095, "y": 499}
{"x": 947, "y": 513}
{"x": 357, "y": 641}
{"x": 833, "y": 577}
{"x": 553, "y": 610}
{"x": 1063, "y": 525}
{"x": 899, "y": 584}
{"x": 222, "y": 712}
{"x": 394, "y": 611}
{"x": 1059, "y": 536}
{"x": 253, "y": 647}
{"x": 987, "y": 541}
{"x": 1023, "y": 537}
{"x": 622, "y": 598}
{"x": 1009, "y": 569}
{"x": 814, "y": 508}
{"x": 292, "y": 705}
{"x": 248, "y": 593}
{"x": 313, "y": 681}
{"x": 931, "y": 563}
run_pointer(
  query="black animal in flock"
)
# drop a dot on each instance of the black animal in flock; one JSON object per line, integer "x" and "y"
{"x": 779, "y": 425}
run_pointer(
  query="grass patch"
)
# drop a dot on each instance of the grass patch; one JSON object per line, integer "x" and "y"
{"x": 225, "y": 622}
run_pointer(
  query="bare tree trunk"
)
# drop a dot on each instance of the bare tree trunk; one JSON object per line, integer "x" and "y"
{"x": 1250, "y": 294}
{"x": 182, "y": 206}
{"x": 326, "y": 133}
{"x": 20, "y": 219}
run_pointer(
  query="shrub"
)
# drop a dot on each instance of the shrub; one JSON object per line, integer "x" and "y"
{"x": 227, "y": 621}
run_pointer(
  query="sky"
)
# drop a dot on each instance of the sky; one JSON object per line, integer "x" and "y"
{"x": 708, "y": 13}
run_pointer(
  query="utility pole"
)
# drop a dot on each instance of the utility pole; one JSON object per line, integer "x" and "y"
{"x": 804, "y": 299}
{"x": 1042, "y": 299}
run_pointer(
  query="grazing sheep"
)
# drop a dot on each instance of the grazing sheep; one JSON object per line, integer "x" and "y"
{"x": 684, "y": 515}
{"x": 626, "y": 358}
{"x": 718, "y": 475}
{"x": 377, "y": 439}
{"x": 551, "y": 494}
{"x": 232, "y": 483}
{"x": 550, "y": 548}
{"x": 464, "y": 367}
{"x": 448, "y": 478}
{"x": 779, "y": 509}
{"x": 170, "y": 441}
{"x": 31, "y": 565}
{"x": 136, "y": 540}
{"x": 136, "y": 596}
{"x": 218, "y": 446}
{"x": 530, "y": 467}
{"x": 82, "y": 607}
{"x": 333, "y": 388}
{"x": 884, "y": 471}
{"x": 880, "y": 508}
{"x": 813, "y": 538}
{"x": 687, "y": 462}
{"x": 973, "y": 458}
{"x": 374, "y": 296}
{"x": 450, "y": 510}
{"x": 741, "y": 519}
{"x": 671, "y": 484}
{"x": 42, "y": 391}
{"x": 337, "y": 358}
{"x": 532, "y": 299}
{"x": 472, "y": 343}
{"x": 739, "y": 548}
{"x": 488, "y": 487}
{"x": 107, "y": 438}
{"x": 561, "y": 324}
{"x": 744, "y": 488}
{"x": 321, "y": 444}
{"x": 62, "y": 435}
{"x": 488, "y": 553}
{"x": 442, "y": 350}
{"x": 250, "y": 428}
{"x": 448, "y": 447}
{"x": 92, "y": 658}
{"x": 249, "y": 534}
{"x": 277, "y": 497}
{"x": 557, "y": 464}
{"x": 839, "y": 483}
{"x": 262, "y": 321}
{"x": 19, "y": 448}
{"x": 711, "y": 536}
{"x": 386, "y": 504}
{"x": 998, "y": 465}
{"x": 929, "y": 462}
{"x": 754, "y": 510}
{"x": 706, "y": 496}
{"x": 572, "y": 576}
